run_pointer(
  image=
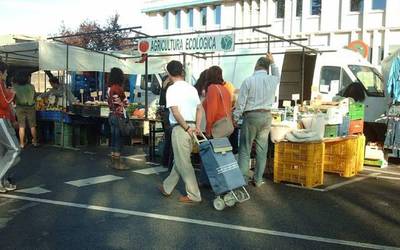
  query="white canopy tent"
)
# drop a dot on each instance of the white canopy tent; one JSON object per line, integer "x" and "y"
{"x": 52, "y": 55}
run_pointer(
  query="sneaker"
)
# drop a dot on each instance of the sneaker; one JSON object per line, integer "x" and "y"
{"x": 162, "y": 191}
{"x": 259, "y": 183}
{"x": 9, "y": 186}
{"x": 3, "y": 189}
{"x": 187, "y": 200}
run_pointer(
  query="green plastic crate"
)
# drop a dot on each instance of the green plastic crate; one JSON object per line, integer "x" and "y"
{"x": 67, "y": 140}
{"x": 67, "y": 132}
{"x": 331, "y": 131}
{"x": 356, "y": 111}
{"x": 58, "y": 127}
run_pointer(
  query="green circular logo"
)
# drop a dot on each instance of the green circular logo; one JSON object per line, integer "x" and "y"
{"x": 226, "y": 43}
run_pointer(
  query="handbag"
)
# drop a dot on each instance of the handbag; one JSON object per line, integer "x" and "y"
{"x": 224, "y": 126}
{"x": 125, "y": 125}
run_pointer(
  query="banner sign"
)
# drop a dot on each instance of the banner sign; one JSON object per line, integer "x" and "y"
{"x": 192, "y": 44}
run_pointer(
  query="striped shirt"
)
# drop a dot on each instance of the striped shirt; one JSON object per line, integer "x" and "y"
{"x": 257, "y": 92}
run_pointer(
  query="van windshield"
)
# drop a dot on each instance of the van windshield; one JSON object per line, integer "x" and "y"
{"x": 370, "y": 78}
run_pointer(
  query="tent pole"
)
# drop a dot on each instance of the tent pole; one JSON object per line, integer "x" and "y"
{"x": 184, "y": 64}
{"x": 302, "y": 76}
{"x": 146, "y": 96}
{"x": 64, "y": 100}
{"x": 103, "y": 88}
{"x": 45, "y": 83}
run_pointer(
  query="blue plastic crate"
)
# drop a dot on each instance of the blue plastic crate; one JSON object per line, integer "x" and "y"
{"x": 56, "y": 116}
{"x": 344, "y": 127}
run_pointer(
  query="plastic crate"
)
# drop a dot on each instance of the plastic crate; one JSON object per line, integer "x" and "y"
{"x": 58, "y": 128}
{"x": 360, "y": 153}
{"x": 63, "y": 130}
{"x": 331, "y": 131}
{"x": 67, "y": 142}
{"x": 91, "y": 111}
{"x": 356, "y": 127}
{"x": 343, "y": 129}
{"x": 356, "y": 111}
{"x": 77, "y": 109}
{"x": 301, "y": 163}
{"x": 53, "y": 116}
{"x": 345, "y": 156}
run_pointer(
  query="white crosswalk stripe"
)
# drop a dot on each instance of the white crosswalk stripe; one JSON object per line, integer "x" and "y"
{"x": 33, "y": 190}
{"x": 148, "y": 171}
{"x": 94, "y": 180}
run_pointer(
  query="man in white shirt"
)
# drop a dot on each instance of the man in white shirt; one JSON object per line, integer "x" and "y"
{"x": 185, "y": 117}
{"x": 256, "y": 97}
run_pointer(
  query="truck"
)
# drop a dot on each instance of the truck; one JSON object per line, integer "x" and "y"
{"x": 322, "y": 75}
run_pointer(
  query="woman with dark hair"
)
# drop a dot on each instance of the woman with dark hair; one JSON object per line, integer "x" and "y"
{"x": 117, "y": 103}
{"x": 25, "y": 102}
{"x": 218, "y": 101}
{"x": 201, "y": 84}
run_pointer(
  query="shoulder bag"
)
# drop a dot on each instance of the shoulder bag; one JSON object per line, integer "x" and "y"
{"x": 224, "y": 126}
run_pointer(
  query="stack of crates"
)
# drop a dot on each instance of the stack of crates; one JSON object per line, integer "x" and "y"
{"x": 331, "y": 131}
{"x": 360, "y": 153}
{"x": 340, "y": 156}
{"x": 344, "y": 127}
{"x": 300, "y": 163}
{"x": 345, "y": 156}
{"x": 356, "y": 114}
{"x": 63, "y": 134}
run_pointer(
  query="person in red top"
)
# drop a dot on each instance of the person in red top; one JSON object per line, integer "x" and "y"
{"x": 217, "y": 103}
{"x": 117, "y": 102}
{"x": 8, "y": 140}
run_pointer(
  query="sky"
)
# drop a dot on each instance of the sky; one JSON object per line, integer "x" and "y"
{"x": 44, "y": 17}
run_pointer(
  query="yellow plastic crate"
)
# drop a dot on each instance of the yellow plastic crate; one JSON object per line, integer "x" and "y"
{"x": 300, "y": 163}
{"x": 343, "y": 156}
{"x": 360, "y": 153}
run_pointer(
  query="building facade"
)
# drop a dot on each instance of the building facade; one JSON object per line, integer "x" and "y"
{"x": 327, "y": 24}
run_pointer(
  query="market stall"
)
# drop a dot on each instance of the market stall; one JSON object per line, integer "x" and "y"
{"x": 68, "y": 124}
{"x": 326, "y": 137}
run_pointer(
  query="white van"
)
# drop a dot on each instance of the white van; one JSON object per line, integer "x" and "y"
{"x": 325, "y": 75}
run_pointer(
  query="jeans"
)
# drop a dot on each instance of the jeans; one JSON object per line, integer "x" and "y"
{"x": 234, "y": 140}
{"x": 116, "y": 138}
{"x": 256, "y": 127}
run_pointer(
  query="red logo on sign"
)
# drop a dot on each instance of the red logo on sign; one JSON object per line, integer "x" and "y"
{"x": 144, "y": 46}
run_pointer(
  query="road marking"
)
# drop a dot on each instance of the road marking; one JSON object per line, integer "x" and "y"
{"x": 141, "y": 155}
{"x": 204, "y": 223}
{"x": 388, "y": 177}
{"x": 338, "y": 185}
{"x": 152, "y": 163}
{"x": 89, "y": 153}
{"x": 154, "y": 170}
{"x": 381, "y": 171}
{"x": 306, "y": 188}
{"x": 8, "y": 201}
{"x": 34, "y": 190}
{"x": 94, "y": 180}
{"x": 132, "y": 158}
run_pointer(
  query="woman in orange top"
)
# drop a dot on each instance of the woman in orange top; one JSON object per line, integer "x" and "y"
{"x": 217, "y": 103}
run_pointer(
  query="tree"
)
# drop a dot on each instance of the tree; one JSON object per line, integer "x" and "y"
{"x": 112, "y": 40}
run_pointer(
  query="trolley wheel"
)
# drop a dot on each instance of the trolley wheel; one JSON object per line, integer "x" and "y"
{"x": 229, "y": 199}
{"x": 219, "y": 204}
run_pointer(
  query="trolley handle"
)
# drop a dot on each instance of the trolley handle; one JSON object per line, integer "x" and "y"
{"x": 204, "y": 138}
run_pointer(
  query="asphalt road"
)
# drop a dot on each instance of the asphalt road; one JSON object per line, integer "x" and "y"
{"x": 130, "y": 213}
